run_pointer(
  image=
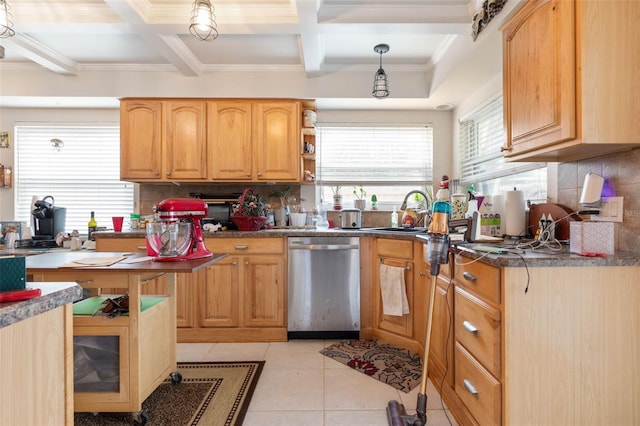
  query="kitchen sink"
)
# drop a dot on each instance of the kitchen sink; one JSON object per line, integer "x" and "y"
{"x": 399, "y": 230}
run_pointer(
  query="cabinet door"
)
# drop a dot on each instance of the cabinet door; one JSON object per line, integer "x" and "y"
{"x": 276, "y": 141}
{"x": 140, "y": 140}
{"x": 441, "y": 344}
{"x": 186, "y": 140}
{"x": 539, "y": 75}
{"x": 219, "y": 293}
{"x": 264, "y": 291}
{"x": 403, "y": 325}
{"x": 229, "y": 134}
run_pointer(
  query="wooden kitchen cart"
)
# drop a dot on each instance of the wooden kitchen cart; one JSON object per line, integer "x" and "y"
{"x": 145, "y": 339}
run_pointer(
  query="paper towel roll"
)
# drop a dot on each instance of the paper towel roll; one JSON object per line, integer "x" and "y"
{"x": 515, "y": 214}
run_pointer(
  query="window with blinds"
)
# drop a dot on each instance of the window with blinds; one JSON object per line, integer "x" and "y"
{"x": 81, "y": 173}
{"x": 482, "y": 163}
{"x": 387, "y": 161}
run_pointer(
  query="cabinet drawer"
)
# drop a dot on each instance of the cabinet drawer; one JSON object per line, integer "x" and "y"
{"x": 477, "y": 328}
{"x": 477, "y": 388}
{"x": 479, "y": 278}
{"x": 402, "y": 249}
{"x": 246, "y": 245}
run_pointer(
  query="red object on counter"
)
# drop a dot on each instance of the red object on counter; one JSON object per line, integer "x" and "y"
{"x": 18, "y": 295}
{"x": 593, "y": 254}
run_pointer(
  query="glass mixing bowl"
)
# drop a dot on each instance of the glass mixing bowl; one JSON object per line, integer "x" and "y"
{"x": 169, "y": 239}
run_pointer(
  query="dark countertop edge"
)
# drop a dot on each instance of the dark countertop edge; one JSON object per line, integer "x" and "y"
{"x": 533, "y": 259}
{"x": 277, "y": 233}
{"x": 56, "y": 295}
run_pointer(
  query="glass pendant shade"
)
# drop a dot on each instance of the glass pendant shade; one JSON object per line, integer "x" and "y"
{"x": 6, "y": 25}
{"x": 380, "y": 81}
{"x": 380, "y": 85}
{"x": 203, "y": 21}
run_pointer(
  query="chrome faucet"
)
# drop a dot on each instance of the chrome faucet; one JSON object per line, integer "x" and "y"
{"x": 415, "y": 191}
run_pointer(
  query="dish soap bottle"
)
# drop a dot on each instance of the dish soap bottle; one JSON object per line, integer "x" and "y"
{"x": 394, "y": 218}
{"x": 91, "y": 226}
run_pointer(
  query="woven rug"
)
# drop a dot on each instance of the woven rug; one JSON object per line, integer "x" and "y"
{"x": 389, "y": 364}
{"x": 210, "y": 394}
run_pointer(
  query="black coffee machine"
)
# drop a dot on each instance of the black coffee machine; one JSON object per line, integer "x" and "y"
{"x": 48, "y": 220}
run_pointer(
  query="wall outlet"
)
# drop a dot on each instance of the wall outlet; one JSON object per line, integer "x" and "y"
{"x": 610, "y": 210}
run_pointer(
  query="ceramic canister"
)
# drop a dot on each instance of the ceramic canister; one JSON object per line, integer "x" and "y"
{"x": 458, "y": 206}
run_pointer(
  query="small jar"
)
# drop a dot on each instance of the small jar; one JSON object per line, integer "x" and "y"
{"x": 135, "y": 221}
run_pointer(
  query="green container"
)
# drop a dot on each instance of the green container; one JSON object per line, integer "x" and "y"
{"x": 13, "y": 273}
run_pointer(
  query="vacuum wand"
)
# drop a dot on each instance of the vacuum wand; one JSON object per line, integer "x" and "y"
{"x": 438, "y": 237}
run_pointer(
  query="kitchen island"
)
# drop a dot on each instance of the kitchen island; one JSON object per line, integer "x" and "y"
{"x": 145, "y": 338}
{"x": 36, "y": 357}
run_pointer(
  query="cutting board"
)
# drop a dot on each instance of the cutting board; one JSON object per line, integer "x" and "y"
{"x": 557, "y": 212}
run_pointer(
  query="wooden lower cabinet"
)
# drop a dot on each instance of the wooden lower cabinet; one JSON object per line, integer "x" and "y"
{"x": 406, "y": 331}
{"x": 241, "y": 298}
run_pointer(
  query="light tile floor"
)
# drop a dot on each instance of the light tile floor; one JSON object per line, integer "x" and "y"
{"x": 299, "y": 386}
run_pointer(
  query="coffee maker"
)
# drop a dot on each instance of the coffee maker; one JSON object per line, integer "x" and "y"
{"x": 48, "y": 220}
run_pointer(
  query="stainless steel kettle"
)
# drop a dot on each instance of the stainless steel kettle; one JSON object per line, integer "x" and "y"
{"x": 350, "y": 218}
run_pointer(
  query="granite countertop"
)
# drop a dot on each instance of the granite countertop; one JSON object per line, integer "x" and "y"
{"x": 54, "y": 294}
{"x": 544, "y": 257}
{"x": 541, "y": 257}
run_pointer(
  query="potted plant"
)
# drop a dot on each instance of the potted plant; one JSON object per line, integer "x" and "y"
{"x": 360, "y": 201}
{"x": 337, "y": 197}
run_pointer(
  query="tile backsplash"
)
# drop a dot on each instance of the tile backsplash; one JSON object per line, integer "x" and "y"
{"x": 152, "y": 193}
{"x": 622, "y": 174}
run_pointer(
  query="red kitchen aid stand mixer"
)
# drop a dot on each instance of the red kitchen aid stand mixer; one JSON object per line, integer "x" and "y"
{"x": 177, "y": 234}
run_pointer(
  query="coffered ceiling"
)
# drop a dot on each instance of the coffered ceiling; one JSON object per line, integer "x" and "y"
{"x": 318, "y": 38}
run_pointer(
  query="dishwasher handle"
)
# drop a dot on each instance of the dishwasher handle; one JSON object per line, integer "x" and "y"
{"x": 296, "y": 246}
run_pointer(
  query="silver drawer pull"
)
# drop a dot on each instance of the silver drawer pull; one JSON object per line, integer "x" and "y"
{"x": 470, "y": 277}
{"x": 470, "y": 327}
{"x": 470, "y": 388}
{"x": 243, "y": 247}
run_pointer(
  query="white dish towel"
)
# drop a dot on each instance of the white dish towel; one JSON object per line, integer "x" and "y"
{"x": 394, "y": 292}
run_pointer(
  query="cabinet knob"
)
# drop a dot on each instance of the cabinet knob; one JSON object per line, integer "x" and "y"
{"x": 248, "y": 174}
{"x": 157, "y": 173}
{"x": 422, "y": 274}
{"x": 470, "y": 388}
{"x": 246, "y": 262}
{"x": 470, "y": 277}
{"x": 168, "y": 173}
{"x": 470, "y": 327}
{"x": 234, "y": 263}
{"x": 505, "y": 148}
{"x": 259, "y": 173}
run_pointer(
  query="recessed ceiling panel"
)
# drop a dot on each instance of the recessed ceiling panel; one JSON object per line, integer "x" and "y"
{"x": 405, "y": 48}
{"x": 246, "y": 49}
{"x": 102, "y": 48}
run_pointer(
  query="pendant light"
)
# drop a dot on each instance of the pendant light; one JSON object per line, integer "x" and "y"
{"x": 380, "y": 81}
{"x": 203, "y": 21}
{"x": 6, "y": 24}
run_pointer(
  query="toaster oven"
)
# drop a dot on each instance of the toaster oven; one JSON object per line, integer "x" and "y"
{"x": 220, "y": 207}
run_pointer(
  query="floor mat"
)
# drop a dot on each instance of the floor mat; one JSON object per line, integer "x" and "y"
{"x": 387, "y": 363}
{"x": 211, "y": 393}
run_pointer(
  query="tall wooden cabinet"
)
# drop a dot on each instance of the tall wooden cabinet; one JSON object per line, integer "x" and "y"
{"x": 185, "y": 140}
{"x": 141, "y": 140}
{"x": 229, "y": 134}
{"x": 570, "y": 79}
{"x": 276, "y": 134}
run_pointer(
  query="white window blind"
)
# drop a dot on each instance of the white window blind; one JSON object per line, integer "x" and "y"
{"x": 481, "y": 136}
{"x": 375, "y": 155}
{"x": 83, "y": 175}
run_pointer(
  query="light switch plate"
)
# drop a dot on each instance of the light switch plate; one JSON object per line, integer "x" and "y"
{"x": 611, "y": 210}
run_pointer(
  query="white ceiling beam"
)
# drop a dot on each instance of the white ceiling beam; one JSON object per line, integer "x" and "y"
{"x": 42, "y": 55}
{"x": 310, "y": 42}
{"x": 169, "y": 45}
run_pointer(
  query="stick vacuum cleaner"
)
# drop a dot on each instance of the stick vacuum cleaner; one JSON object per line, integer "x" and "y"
{"x": 437, "y": 254}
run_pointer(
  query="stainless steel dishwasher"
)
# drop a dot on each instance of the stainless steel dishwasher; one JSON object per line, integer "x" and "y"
{"x": 324, "y": 287}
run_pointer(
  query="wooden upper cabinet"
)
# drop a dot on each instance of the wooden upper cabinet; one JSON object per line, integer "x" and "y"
{"x": 570, "y": 79}
{"x": 140, "y": 140}
{"x": 276, "y": 141}
{"x": 229, "y": 137}
{"x": 185, "y": 140}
